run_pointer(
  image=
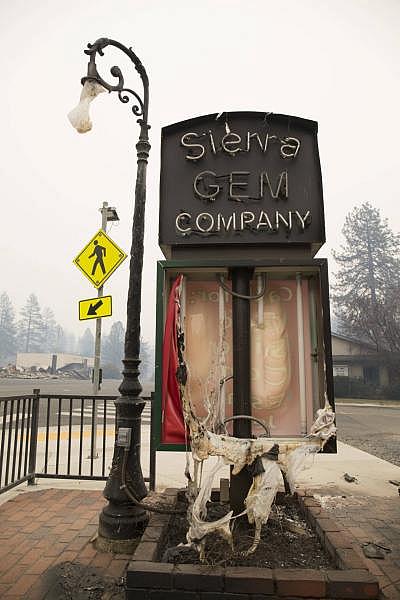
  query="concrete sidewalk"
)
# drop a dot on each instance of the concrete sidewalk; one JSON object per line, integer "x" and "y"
{"x": 372, "y": 473}
{"x": 46, "y": 530}
{"x": 367, "y": 402}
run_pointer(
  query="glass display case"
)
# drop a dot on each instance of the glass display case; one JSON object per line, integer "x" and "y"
{"x": 290, "y": 345}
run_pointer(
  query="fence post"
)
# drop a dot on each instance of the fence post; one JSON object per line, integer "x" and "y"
{"x": 33, "y": 437}
{"x": 152, "y": 473}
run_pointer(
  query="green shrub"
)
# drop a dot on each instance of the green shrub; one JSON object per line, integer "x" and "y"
{"x": 392, "y": 392}
{"x": 351, "y": 387}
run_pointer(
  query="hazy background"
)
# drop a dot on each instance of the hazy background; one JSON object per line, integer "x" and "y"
{"x": 336, "y": 62}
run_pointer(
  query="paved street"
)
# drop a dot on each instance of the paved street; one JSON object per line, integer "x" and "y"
{"x": 373, "y": 429}
{"x": 14, "y": 387}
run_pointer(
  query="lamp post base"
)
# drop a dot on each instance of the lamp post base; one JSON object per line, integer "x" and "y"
{"x": 121, "y": 521}
{"x": 120, "y": 528}
{"x": 116, "y": 546}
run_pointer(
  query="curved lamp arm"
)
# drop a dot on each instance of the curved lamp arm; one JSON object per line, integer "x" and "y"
{"x": 94, "y": 84}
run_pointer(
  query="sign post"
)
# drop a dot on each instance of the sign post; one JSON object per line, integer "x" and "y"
{"x": 97, "y": 338}
{"x": 98, "y": 260}
{"x": 241, "y": 370}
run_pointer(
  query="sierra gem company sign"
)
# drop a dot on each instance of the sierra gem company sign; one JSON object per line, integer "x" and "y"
{"x": 241, "y": 178}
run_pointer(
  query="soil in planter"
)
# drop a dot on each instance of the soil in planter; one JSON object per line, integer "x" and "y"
{"x": 287, "y": 541}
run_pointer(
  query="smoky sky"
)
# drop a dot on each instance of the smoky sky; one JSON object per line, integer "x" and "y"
{"x": 336, "y": 62}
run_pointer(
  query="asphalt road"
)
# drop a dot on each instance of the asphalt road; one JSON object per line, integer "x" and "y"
{"x": 15, "y": 387}
{"x": 12, "y": 387}
{"x": 373, "y": 429}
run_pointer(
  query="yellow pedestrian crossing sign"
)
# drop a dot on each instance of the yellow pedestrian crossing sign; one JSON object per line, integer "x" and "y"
{"x": 99, "y": 258}
{"x": 93, "y": 308}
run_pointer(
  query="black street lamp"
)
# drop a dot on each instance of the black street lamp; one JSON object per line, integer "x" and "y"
{"x": 121, "y": 519}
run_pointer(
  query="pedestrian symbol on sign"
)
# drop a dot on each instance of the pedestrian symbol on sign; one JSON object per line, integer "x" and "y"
{"x": 99, "y": 258}
{"x": 98, "y": 252}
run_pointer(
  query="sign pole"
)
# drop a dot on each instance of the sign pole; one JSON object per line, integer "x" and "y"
{"x": 97, "y": 349}
{"x": 241, "y": 276}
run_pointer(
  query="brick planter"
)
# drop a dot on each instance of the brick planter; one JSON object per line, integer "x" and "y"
{"x": 148, "y": 579}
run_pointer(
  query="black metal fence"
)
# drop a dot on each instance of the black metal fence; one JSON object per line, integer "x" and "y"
{"x": 18, "y": 424}
{"x": 60, "y": 436}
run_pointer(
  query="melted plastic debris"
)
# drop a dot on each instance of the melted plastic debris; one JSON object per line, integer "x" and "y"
{"x": 79, "y": 116}
{"x": 199, "y": 527}
{"x": 260, "y": 498}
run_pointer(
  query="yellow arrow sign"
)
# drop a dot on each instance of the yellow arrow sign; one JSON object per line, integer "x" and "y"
{"x": 99, "y": 258}
{"x": 93, "y": 308}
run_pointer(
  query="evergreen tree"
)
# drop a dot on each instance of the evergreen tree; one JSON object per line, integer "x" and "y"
{"x": 113, "y": 345}
{"x": 49, "y": 330}
{"x": 8, "y": 341}
{"x": 86, "y": 343}
{"x": 147, "y": 361}
{"x": 60, "y": 340}
{"x": 70, "y": 342}
{"x": 368, "y": 280}
{"x": 113, "y": 351}
{"x": 30, "y": 326}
